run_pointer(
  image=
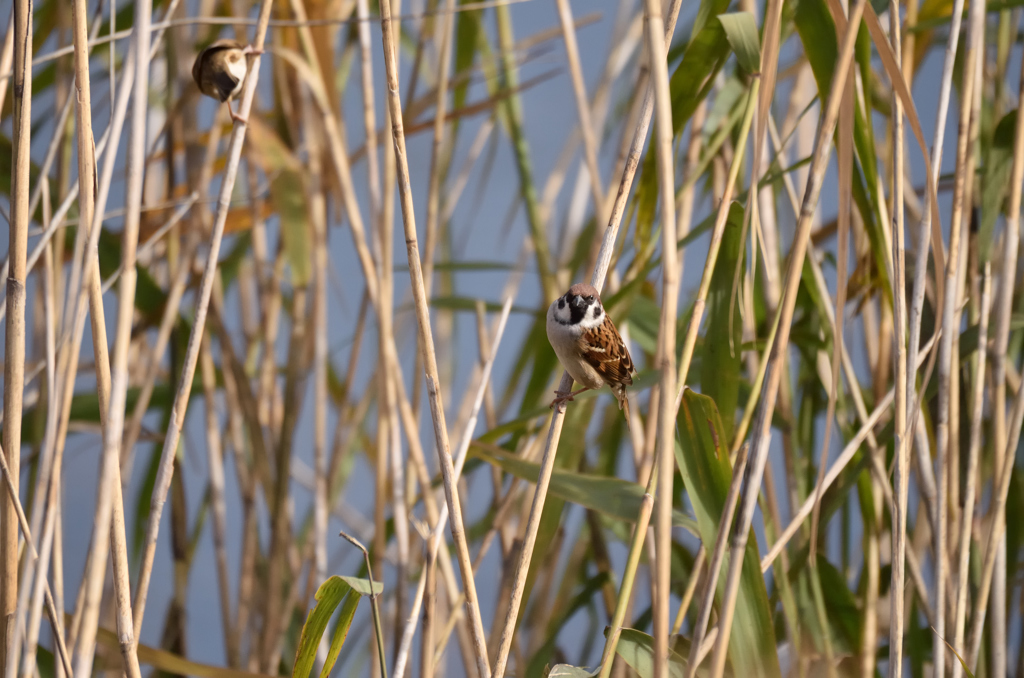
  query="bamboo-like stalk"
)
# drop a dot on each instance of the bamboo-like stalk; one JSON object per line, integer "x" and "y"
{"x": 921, "y": 258}
{"x": 1000, "y": 491}
{"x": 19, "y": 516}
{"x": 369, "y": 112}
{"x": 318, "y": 219}
{"x": 460, "y": 458}
{"x": 109, "y": 491}
{"x": 14, "y": 348}
{"x": 38, "y": 563}
{"x": 718, "y": 554}
{"x": 85, "y": 268}
{"x": 761, "y": 436}
{"x": 166, "y": 469}
{"x": 951, "y": 319}
{"x": 1003, "y": 310}
{"x": 579, "y": 89}
{"x": 666, "y": 357}
{"x": 426, "y": 342}
{"x": 40, "y": 569}
{"x": 555, "y": 428}
{"x": 841, "y": 461}
{"x": 215, "y": 460}
{"x": 972, "y": 480}
{"x": 902, "y": 451}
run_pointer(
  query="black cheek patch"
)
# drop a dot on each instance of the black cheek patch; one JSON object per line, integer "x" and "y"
{"x": 561, "y": 303}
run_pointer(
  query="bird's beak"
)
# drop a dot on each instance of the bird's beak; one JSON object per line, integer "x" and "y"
{"x": 577, "y": 301}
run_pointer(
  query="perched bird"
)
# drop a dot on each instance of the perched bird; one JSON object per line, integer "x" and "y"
{"x": 220, "y": 71}
{"x": 588, "y": 345}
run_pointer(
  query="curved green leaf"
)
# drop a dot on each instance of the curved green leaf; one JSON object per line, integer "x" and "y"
{"x": 741, "y": 30}
{"x": 328, "y": 597}
{"x": 613, "y": 497}
{"x": 348, "y": 611}
{"x": 637, "y": 649}
{"x": 720, "y": 365}
{"x": 703, "y": 458}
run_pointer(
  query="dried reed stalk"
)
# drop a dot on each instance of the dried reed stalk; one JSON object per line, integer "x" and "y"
{"x": 14, "y": 348}
{"x": 761, "y": 436}
{"x": 951, "y": 320}
{"x": 666, "y": 357}
{"x": 55, "y": 617}
{"x": 437, "y": 525}
{"x": 109, "y": 490}
{"x": 971, "y": 484}
{"x": 170, "y": 446}
{"x": 921, "y": 258}
{"x": 718, "y": 554}
{"x": 426, "y": 341}
{"x": 902, "y": 451}
{"x": 1003, "y": 311}
{"x": 579, "y": 89}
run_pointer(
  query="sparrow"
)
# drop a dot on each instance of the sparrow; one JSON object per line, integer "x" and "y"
{"x": 220, "y": 71}
{"x": 588, "y": 345}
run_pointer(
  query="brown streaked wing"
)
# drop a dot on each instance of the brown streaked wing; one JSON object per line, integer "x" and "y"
{"x": 604, "y": 349}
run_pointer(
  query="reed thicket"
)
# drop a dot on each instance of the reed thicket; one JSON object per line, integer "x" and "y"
{"x": 802, "y": 215}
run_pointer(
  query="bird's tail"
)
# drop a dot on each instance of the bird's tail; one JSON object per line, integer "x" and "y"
{"x": 620, "y": 395}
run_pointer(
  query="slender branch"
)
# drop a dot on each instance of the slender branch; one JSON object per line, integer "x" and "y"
{"x": 761, "y": 436}
{"x": 184, "y": 388}
{"x": 426, "y": 340}
{"x": 55, "y": 617}
{"x": 14, "y": 348}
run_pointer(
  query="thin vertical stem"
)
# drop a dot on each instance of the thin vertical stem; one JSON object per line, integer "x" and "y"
{"x": 184, "y": 388}
{"x": 951, "y": 317}
{"x": 14, "y": 348}
{"x": 579, "y": 89}
{"x": 1004, "y": 305}
{"x": 426, "y": 341}
{"x": 109, "y": 491}
{"x": 666, "y": 357}
{"x": 761, "y": 436}
{"x": 555, "y": 427}
{"x": 902, "y": 450}
{"x": 971, "y": 483}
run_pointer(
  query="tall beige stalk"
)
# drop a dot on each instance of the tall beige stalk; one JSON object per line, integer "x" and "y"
{"x": 971, "y": 484}
{"x": 426, "y": 341}
{"x": 951, "y": 320}
{"x": 14, "y": 353}
{"x": 110, "y": 480}
{"x": 921, "y": 258}
{"x": 762, "y": 429}
{"x": 181, "y": 396}
{"x": 666, "y": 358}
{"x": 597, "y": 279}
{"x": 579, "y": 89}
{"x": 1004, "y": 304}
{"x": 902, "y": 450}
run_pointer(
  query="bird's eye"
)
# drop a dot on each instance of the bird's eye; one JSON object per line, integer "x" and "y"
{"x": 590, "y": 297}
